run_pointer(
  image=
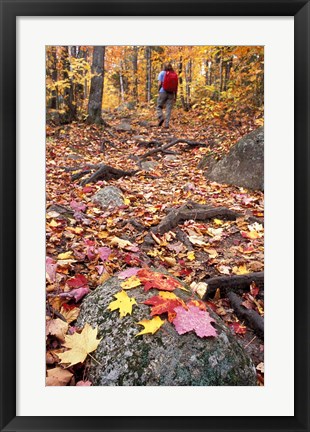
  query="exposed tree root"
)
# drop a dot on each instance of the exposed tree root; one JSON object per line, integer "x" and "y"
{"x": 164, "y": 147}
{"x": 194, "y": 211}
{"x": 106, "y": 172}
{"x": 252, "y": 318}
{"x": 234, "y": 283}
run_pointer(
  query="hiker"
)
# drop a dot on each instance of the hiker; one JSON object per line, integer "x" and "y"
{"x": 167, "y": 87}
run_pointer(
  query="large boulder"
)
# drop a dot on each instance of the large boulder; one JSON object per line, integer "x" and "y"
{"x": 243, "y": 165}
{"x": 165, "y": 358}
{"x": 109, "y": 196}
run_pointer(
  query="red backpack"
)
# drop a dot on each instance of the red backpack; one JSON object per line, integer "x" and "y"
{"x": 170, "y": 83}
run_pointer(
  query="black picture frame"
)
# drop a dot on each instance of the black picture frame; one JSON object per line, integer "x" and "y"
{"x": 10, "y": 9}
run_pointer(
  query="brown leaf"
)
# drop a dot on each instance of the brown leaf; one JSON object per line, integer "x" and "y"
{"x": 58, "y": 377}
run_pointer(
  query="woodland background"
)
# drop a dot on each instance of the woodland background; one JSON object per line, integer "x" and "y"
{"x": 222, "y": 83}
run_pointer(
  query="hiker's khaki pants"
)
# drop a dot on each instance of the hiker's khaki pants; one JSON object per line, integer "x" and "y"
{"x": 167, "y": 99}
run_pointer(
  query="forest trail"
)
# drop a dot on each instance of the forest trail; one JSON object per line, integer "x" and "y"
{"x": 193, "y": 251}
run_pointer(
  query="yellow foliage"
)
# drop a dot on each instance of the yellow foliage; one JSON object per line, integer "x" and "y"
{"x": 80, "y": 345}
{"x": 150, "y": 326}
{"x": 123, "y": 302}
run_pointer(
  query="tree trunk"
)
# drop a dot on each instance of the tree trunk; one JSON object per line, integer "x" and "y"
{"x": 188, "y": 78}
{"x": 135, "y": 73}
{"x": 96, "y": 86}
{"x": 181, "y": 84}
{"x": 84, "y": 88}
{"x": 221, "y": 75}
{"x": 148, "y": 73}
{"x": 68, "y": 93}
{"x": 52, "y": 72}
{"x": 121, "y": 82}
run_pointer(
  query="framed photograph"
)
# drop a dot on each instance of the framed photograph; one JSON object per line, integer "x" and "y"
{"x": 140, "y": 104}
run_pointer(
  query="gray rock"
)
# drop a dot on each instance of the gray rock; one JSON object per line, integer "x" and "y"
{"x": 73, "y": 156}
{"x": 244, "y": 164}
{"x": 138, "y": 137}
{"x": 165, "y": 358}
{"x": 123, "y": 126}
{"x": 148, "y": 165}
{"x": 109, "y": 196}
{"x": 144, "y": 123}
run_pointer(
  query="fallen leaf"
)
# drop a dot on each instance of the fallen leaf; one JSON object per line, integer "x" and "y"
{"x": 50, "y": 267}
{"x": 165, "y": 302}
{"x": 224, "y": 269}
{"x": 191, "y": 255}
{"x": 57, "y": 327}
{"x": 77, "y": 281}
{"x": 80, "y": 345}
{"x": 150, "y": 326}
{"x": 238, "y": 328}
{"x": 132, "y": 282}
{"x": 200, "y": 288}
{"x": 123, "y": 302}
{"x": 58, "y": 377}
{"x": 78, "y": 206}
{"x": 65, "y": 255}
{"x": 122, "y": 244}
{"x": 77, "y": 294}
{"x": 240, "y": 270}
{"x": 218, "y": 222}
{"x": 256, "y": 227}
{"x": 71, "y": 314}
{"x": 252, "y": 235}
{"x": 151, "y": 279}
{"x": 197, "y": 240}
{"x": 194, "y": 319}
{"x": 83, "y": 383}
{"x": 104, "y": 253}
{"x": 261, "y": 367}
{"x": 128, "y": 272}
{"x": 254, "y": 290}
{"x": 215, "y": 232}
{"x": 212, "y": 252}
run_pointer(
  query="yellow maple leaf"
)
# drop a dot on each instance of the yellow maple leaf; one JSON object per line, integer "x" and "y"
{"x": 240, "y": 270}
{"x": 218, "y": 221}
{"x": 167, "y": 295}
{"x": 65, "y": 255}
{"x": 150, "y": 326}
{"x": 131, "y": 282}
{"x": 103, "y": 234}
{"x": 126, "y": 201}
{"x": 191, "y": 255}
{"x": 80, "y": 345}
{"x": 123, "y": 302}
{"x": 53, "y": 223}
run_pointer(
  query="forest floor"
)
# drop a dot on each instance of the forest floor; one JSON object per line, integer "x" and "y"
{"x": 193, "y": 251}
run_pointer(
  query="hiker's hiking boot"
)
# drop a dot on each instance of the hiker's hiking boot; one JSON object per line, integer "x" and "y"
{"x": 161, "y": 121}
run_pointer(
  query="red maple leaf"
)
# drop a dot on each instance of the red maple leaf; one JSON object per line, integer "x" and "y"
{"x": 77, "y": 281}
{"x": 164, "y": 304}
{"x": 151, "y": 279}
{"x": 238, "y": 328}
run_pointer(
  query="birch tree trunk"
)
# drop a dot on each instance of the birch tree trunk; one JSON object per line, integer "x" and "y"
{"x": 135, "y": 73}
